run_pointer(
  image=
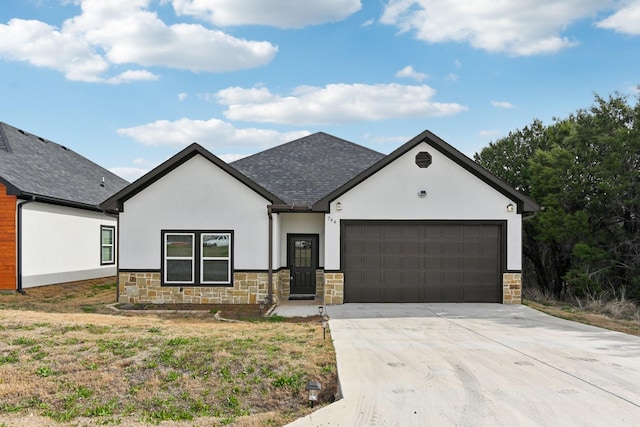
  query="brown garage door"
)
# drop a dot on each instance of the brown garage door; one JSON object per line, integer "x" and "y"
{"x": 402, "y": 261}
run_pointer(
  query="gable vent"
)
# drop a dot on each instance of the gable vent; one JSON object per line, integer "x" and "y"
{"x": 423, "y": 159}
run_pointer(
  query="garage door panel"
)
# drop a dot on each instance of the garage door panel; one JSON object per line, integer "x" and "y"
{"x": 412, "y": 263}
{"x": 452, "y": 294}
{"x": 422, "y": 262}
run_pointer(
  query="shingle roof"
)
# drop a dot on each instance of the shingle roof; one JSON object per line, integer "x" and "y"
{"x": 303, "y": 171}
{"x": 34, "y": 166}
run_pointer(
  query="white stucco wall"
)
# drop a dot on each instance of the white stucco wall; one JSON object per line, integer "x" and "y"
{"x": 301, "y": 223}
{"x": 452, "y": 194}
{"x": 61, "y": 244}
{"x": 197, "y": 195}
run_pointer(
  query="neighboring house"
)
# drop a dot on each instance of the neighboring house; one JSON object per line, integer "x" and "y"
{"x": 52, "y": 229}
{"x": 320, "y": 216}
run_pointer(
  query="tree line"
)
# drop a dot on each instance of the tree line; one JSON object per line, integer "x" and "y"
{"x": 585, "y": 172}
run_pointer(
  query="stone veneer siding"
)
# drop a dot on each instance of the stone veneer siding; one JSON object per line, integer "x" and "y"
{"x": 512, "y": 288}
{"x": 333, "y": 288}
{"x": 320, "y": 284}
{"x": 144, "y": 287}
{"x": 284, "y": 278}
{"x": 285, "y": 283}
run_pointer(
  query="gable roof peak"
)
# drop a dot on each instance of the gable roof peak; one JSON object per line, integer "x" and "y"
{"x": 525, "y": 204}
{"x": 116, "y": 202}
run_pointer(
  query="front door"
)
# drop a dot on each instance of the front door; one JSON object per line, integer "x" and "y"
{"x": 302, "y": 254}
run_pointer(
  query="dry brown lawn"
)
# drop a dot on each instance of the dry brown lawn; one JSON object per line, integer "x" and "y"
{"x": 565, "y": 311}
{"x": 67, "y": 359}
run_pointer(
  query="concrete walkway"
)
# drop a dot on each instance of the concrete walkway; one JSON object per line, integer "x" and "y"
{"x": 477, "y": 365}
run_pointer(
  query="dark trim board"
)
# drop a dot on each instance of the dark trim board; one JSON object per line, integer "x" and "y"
{"x": 426, "y": 261}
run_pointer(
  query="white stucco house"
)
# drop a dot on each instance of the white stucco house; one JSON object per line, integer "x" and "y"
{"x": 321, "y": 217}
{"x": 52, "y": 229}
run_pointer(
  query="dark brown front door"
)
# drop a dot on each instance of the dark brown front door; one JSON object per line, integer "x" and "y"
{"x": 302, "y": 253}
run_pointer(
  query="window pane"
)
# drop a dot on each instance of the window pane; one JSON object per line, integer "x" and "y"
{"x": 215, "y": 245}
{"x": 107, "y": 254}
{"x": 107, "y": 236}
{"x": 215, "y": 271}
{"x": 179, "y": 245}
{"x": 302, "y": 253}
{"x": 179, "y": 270}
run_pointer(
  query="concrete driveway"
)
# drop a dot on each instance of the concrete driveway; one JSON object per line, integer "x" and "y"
{"x": 477, "y": 365}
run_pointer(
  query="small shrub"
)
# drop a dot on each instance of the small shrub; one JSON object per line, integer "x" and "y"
{"x": 12, "y": 357}
{"x": 288, "y": 380}
{"x": 44, "y": 371}
{"x": 23, "y": 341}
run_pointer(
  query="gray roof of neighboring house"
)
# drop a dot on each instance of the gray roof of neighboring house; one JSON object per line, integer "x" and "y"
{"x": 303, "y": 171}
{"x": 34, "y": 166}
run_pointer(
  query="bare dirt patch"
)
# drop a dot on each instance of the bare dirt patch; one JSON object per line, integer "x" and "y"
{"x": 66, "y": 358}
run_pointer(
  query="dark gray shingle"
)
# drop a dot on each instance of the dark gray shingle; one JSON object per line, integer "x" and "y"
{"x": 307, "y": 169}
{"x": 36, "y": 166}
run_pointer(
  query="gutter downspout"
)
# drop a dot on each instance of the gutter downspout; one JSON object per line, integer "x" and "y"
{"x": 19, "y": 243}
{"x": 270, "y": 288}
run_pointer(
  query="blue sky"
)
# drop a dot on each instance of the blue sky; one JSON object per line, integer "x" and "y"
{"x": 128, "y": 83}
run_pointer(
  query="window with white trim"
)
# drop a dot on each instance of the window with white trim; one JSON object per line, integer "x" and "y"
{"x": 197, "y": 258}
{"x": 107, "y": 244}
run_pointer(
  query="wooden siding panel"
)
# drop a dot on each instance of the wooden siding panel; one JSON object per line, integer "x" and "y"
{"x": 7, "y": 240}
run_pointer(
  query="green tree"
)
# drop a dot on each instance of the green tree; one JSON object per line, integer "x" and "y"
{"x": 585, "y": 171}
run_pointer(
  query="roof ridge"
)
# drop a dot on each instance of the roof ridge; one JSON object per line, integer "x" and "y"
{"x": 350, "y": 142}
{"x": 319, "y": 133}
{"x": 4, "y": 141}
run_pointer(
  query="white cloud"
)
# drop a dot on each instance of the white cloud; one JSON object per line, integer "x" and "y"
{"x": 130, "y": 76}
{"x": 525, "y": 27}
{"x": 490, "y": 133}
{"x": 451, "y": 77}
{"x": 277, "y": 13}
{"x": 410, "y": 73}
{"x": 625, "y": 20}
{"x": 368, "y": 23}
{"x": 182, "y": 96}
{"x": 141, "y": 162}
{"x": 117, "y": 32}
{"x": 383, "y": 139}
{"x": 502, "y": 104}
{"x": 129, "y": 173}
{"x": 334, "y": 103}
{"x": 214, "y": 134}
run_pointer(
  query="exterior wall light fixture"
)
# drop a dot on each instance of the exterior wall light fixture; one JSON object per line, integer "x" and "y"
{"x": 422, "y": 194}
{"x": 510, "y": 207}
{"x": 338, "y": 206}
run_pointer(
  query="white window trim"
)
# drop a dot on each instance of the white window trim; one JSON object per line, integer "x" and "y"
{"x": 112, "y": 245}
{"x": 169, "y": 258}
{"x": 203, "y": 258}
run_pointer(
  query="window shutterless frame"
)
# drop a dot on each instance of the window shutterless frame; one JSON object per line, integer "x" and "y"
{"x": 197, "y": 257}
{"x": 107, "y": 245}
{"x": 215, "y": 258}
{"x": 179, "y": 257}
